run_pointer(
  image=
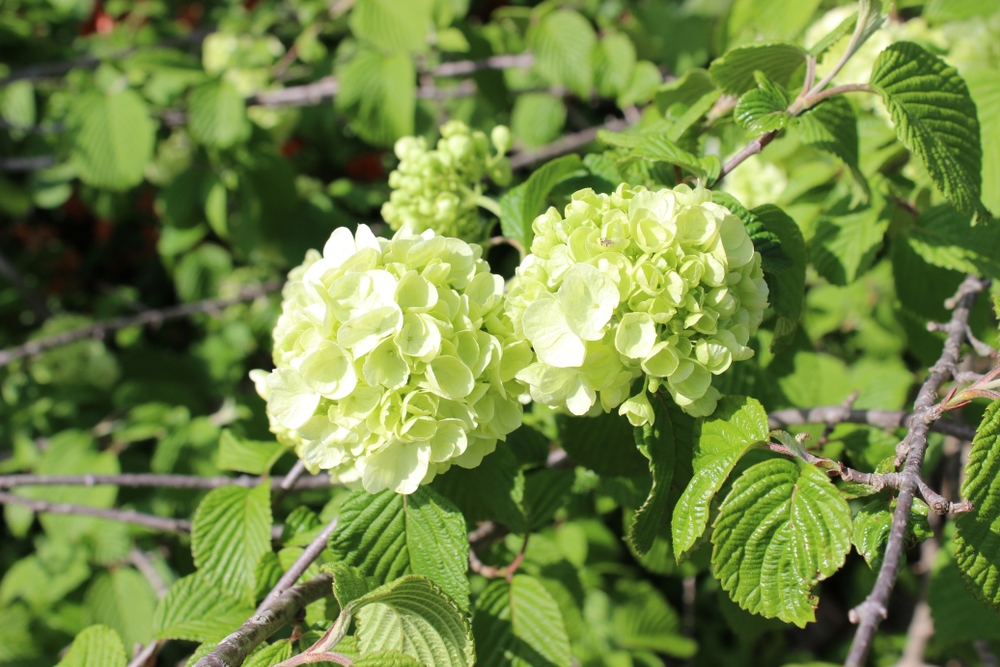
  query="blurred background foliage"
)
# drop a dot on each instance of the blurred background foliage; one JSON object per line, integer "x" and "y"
{"x": 156, "y": 152}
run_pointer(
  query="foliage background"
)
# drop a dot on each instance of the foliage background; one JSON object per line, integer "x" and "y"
{"x": 161, "y": 152}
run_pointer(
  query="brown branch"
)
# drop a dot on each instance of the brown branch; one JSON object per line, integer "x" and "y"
{"x": 565, "y": 144}
{"x": 147, "y": 656}
{"x": 870, "y": 613}
{"x": 27, "y": 163}
{"x": 153, "y": 317}
{"x": 128, "y": 516}
{"x": 838, "y": 414}
{"x": 235, "y": 648}
{"x": 308, "y": 556}
{"x": 753, "y": 148}
{"x": 140, "y": 480}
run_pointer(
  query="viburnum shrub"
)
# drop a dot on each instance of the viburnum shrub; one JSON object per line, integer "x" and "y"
{"x": 393, "y": 359}
{"x": 442, "y": 189}
{"x": 661, "y": 285}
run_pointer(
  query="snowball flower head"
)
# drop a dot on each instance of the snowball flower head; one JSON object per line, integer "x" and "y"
{"x": 393, "y": 360}
{"x": 665, "y": 285}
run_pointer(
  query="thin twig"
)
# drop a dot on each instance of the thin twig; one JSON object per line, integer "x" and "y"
{"x": 154, "y": 317}
{"x": 751, "y": 149}
{"x": 147, "y": 656}
{"x": 305, "y": 559}
{"x": 235, "y": 648}
{"x": 839, "y": 90}
{"x": 27, "y": 163}
{"x": 152, "y": 480}
{"x": 873, "y": 610}
{"x": 128, "y": 516}
{"x": 142, "y": 563}
{"x": 565, "y": 144}
{"x": 288, "y": 482}
{"x": 837, "y": 414}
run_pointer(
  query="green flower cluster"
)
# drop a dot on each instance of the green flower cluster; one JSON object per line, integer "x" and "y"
{"x": 393, "y": 360}
{"x": 441, "y": 189}
{"x": 664, "y": 284}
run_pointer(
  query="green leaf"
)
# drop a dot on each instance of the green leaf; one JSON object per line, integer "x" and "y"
{"x": 17, "y": 104}
{"x": 614, "y": 62}
{"x": 762, "y": 109}
{"x": 386, "y": 659}
{"x": 871, "y": 15}
{"x": 658, "y": 443}
{"x": 415, "y": 617}
{"x": 492, "y": 491}
{"x": 944, "y": 237}
{"x": 520, "y": 205}
{"x": 253, "y": 457}
{"x": 391, "y": 25}
{"x": 845, "y": 246}
{"x": 958, "y": 615}
{"x": 783, "y": 528}
{"x": 97, "y": 646}
{"x": 787, "y": 285}
{"x": 378, "y": 92}
{"x": 231, "y": 530}
{"x": 218, "y": 115}
{"x": 765, "y": 241}
{"x": 195, "y": 610}
{"x": 537, "y": 118}
{"x": 843, "y": 29}
{"x": 977, "y": 540}
{"x": 873, "y": 522}
{"x": 267, "y": 655}
{"x": 686, "y": 90}
{"x": 545, "y": 491}
{"x": 647, "y": 622}
{"x": 832, "y": 126}
{"x": 646, "y": 78}
{"x": 603, "y": 443}
{"x": 660, "y": 148}
{"x": 123, "y": 600}
{"x": 770, "y": 19}
{"x": 112, "y": 138}
{"x": 984, "y": 86}
{"x": 935, "y": 118}
{"x": 737, "y": 424}
{"x": 519, "y": 623}
{"x": 562, "y": 42}
{"x": 387, "y": 535}
{"x": 734, "y": 72}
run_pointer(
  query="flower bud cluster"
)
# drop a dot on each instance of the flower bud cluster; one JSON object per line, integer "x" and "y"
{"x": 441, "y": 189}
{"x": 664, "y": 284}
{"x": 394, "y": 360}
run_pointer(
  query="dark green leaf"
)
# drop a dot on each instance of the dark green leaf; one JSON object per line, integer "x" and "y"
{"x": 518, "y": 623}
{"x": 522, "y": 204}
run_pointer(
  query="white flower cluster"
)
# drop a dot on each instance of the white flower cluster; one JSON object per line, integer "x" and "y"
{"x": 393, "y": 360}
{"x": 441, "y": 189}
{"x": 665, "y": 284}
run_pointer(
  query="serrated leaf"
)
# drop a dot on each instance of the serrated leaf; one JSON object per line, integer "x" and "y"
{"x": 762, "y": 109}
{"x": 843, "y": 29}
{"x": 737, "y": 424}
{"x": 253, "y": 457}
{"x": 734, "y": 71}
{"x": 832, "y": 126}
{"x": 386, "y": 659}
{"x": 414, "y": 616}
{"x": 392, "y": 25}
{"x": 519, "y": 623}
{"x": 787, "y": 285}
{"x": 765, "y": 241}
{"x": 562, "y": 42}
{"x": 782, "y": 529}
{"x": 218, "y": 115}
{"x": 958, "y": 615}
{"x": 845, "y": 246}
{"x": 230, "y": 531}
{"x": 660, "y": 148}
{"x": 658, "y": 443}
{"x": 113, "y": 138}
{"x": 269, "y": 654}
{"x": 537, "y": 118}
{"x": 873, "y": 522}
{"x": 945, "y": 238}
{"x": 492, "y": 491}
{"x": 194, "y": 610}
{"x": 977, "y": 540}
{"x": 378, "y": 92}
{"x": 123, "y": 600}
{"x": 686, "y": 90}
{"x": 935, "y": 118}
{"x": 645, "y": 621}
{"x": 387, "y": 535}
{"x": 349, "y": 584}
{"x": 984, "y": 86}
{"x": 97, "y": 646}
{"x": 520, "y": 205}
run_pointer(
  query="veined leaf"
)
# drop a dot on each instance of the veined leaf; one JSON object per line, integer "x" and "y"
{"x": 873, "y": 522}
{"x": 647, "y": 622}
{"x": 762, "y": 109}
{"x": 770, "y": 19}
{"x": 984, "y": 86}
{"x": 268, "y": 655}
{"x": 686, "y": 89}
{"x": 97, "y": 646}
{"x": 113, "y": 138}
{"x": 659, "y": 148}
{"x": 658, "y": 443}
{"x": 977, "y": 540}
{"x": 614, "y": 62}
{"x": 944, "y": 237}
{"x": 537, "y": 118}
{"x": 492, "y": 491}
{"x": 218, "y": 115}
{"x": 832, "y": 126}
{"x": 935, "y": 118}
{"x": 231, "y": 530}
{"x": 194, "y": 610}
{"x": 378, "y": 92}
{"x": 783, "y": 528}
{"x": 562, "y": 42}
{"x": 737, "y": 424}
{"x": 387, "y": 535}
{"x": 520, "y": 205}
{"x": 734, "y": 71}
{"x": 766, "y": 242}
{"x": 958, "y": 615}
{"x": 787, "y": 286}
{"x": 123, "y": 600}
{"x": 391, "y": 25}
{"x": 845, "y": 246}
{"x": 519, "y": 623}
{"x": 250, "y": 456}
